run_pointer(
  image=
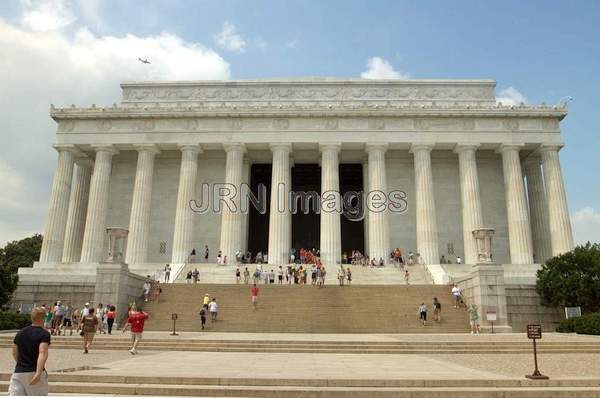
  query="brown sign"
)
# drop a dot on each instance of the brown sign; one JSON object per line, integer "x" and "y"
{"x": 174, "y": 317}
{"x": 534, "y": 331}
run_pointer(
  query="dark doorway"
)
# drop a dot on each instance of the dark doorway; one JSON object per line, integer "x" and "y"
{"x": 258, "y": 224}
{"x": 353, "y": 233}
{"x": 306, "y": 227}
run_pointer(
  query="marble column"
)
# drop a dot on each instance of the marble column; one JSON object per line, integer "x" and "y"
{"x": 378, "y": 234}
{"x": 427, "y": 232}
{"x": 58, "y": 208}
{"x": 331, "y": 205}
{"x": 538, "y": 209}
{"x": 184, "y": 216}
{"x": 558, "y": 213}
{"x": 231, "y": 218}
{"x": 78, "y": 202}
{"x": 139, "y": 220}
{"x": 245, "y": 202}
{"x": 280, "y": 218}
{"x": 365, "y": 170}
{"x": 95, "y": 220}
{"x": 519, "y": 230}
{"x": 472, "y": 217}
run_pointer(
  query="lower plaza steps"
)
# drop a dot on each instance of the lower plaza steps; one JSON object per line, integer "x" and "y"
{"x": 307, "y": 309}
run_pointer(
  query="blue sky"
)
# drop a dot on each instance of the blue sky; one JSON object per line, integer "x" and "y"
{"x": 544, "y": 51}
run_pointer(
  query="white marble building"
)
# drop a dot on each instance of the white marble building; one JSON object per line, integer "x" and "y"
{"x": 463, "y": 161}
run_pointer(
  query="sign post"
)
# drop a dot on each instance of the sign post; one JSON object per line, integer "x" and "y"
{"x": 534, "y": 332}
{"x": 174, "y": 318}
{"x": 491, "y": 317}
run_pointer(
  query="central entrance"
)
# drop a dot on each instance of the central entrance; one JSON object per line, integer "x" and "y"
{"x": 306, "y": 222}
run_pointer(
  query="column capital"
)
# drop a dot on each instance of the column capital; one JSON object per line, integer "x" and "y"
{"x": 376, "y": 146}
{"x": 147, "y": 148}
{"x": 330, "y": 146}
{"x": 105, "y": 148}
{"x": 234, "y": 146}
{"x": 466, "y": 146}
{"x": 550, "y": 147}
{"x": 509, "y": 147}
{"x": 281, "y": 146}
{"x": 67, "y": 148}
{"x": 426, "y": 146}
{"x": 190, "y": 148}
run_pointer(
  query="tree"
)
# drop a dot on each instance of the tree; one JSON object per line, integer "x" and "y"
{"x": 572, "y": 279}
{"x": 21, "y": 253}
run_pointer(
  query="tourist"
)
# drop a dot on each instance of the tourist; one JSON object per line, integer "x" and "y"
{"x": 456, "y": 295}
{"x": 202, "y": 317}
{"x": 156, "y": 291}
{"x": 89, "y": 324}
{"x": 254, "y": 295}
{"x": 68, "y": 320}
{"x": 111, "y": 314}
{"x": 458, "y": 260}
{"x": 280, "y": 275}
{"x": 474, "y": 318}
{"x": 224, "y": 260}
{"x": 407, "y": 277}
{"x": 188, "y": 277}
{"x": 167, "y": 273}
{"x": 349, "y": 276}
{"x": 135, "y": 321}
{"x": 341, "y": 275}
{"x": 443, "y": 259}
{"x": 206, "y": 253}
{"x": 206, "y": 301}
{"x": 246, "y": 276}
{"x": 195, "y": 275}
{"x": 256, "y": 275}
{"x": 423, "y": 313}
{"x": 288, "y": 275}
{"x": 59, "y": 315}
{"x": 219, "y": 258}
{"x": 238, "y": 276}
{"x": 437, "y": 310}
{"x": 323, "y": 274}
{"x": 213, "y": 309}
{"x": 147, "y": 288}
{"x": 86, "y": 310}
{"x": 30, "y": 351}
{"x": 100, "y": 315}
{"x": 313, "y": 274}
{"x": 272, "y": 277}
{"x": 48, "y": 319}
{"x": 193, "y": 256}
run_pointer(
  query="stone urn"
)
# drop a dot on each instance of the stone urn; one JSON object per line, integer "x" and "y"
{"x": 483, "y": 239}
{"x": 117, "y": 244}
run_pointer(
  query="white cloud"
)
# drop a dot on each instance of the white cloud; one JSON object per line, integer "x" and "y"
{"x": 379, "y": 68}
{"x": 586, "y": 225}
{"x": 511, "y": 96}
{"x": 39, "y": 68}
{"x": 44, "y": 15}
{"x": 229, "y": 39}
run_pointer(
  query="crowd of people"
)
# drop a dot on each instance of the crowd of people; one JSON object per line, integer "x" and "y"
{"x": 292, "y": 275}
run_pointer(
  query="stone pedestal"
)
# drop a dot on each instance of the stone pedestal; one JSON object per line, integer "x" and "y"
{"x": 483, "y": 244}
{"x": 485, "y": 288}
{"x": 117, "y": 244}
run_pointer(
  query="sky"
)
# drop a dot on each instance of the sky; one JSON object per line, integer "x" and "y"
{"x": 66, "y": 51}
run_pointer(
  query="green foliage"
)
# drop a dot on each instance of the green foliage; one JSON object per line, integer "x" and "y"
{"x": 16, "y": 254}
{"x": 12, "y": 320}
{"x": 586, "y": 324}
{"x": 572, "y": 279}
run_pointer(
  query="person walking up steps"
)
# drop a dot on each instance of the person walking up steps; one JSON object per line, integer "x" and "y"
{"x": 167, "y": 273}
{"x": 30, "y": 351}
{"x": 246, "y": 276}
{"x": 206, "y": 301}
{"x": 423, "y": 313}
{"x": 202, "y": 317}
{"x": 89, "y": 324}
{"x": 437, "y": 310}
{"x": 254, "y": 293}
{"x": 407, "y": 277}
{"x": 213, "y": 308}
{"x": 136, "y": 323}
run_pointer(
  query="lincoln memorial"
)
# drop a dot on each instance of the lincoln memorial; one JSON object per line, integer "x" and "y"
{"x": 460, "y": 162}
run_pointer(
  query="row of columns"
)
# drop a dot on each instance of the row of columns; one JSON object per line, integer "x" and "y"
{"x": 538, "y": 220}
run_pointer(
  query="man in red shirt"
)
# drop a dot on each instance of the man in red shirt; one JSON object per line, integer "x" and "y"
{"x": 136, "y": 322}
{"x": 254, "y": 292}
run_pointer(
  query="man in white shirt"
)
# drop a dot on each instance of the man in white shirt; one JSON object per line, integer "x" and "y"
{"x": 458, "y": 260}
{"x": 213, "y": 308}
{"x": 456, "y": 295}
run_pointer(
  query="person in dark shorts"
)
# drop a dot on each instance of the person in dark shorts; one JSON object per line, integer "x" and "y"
{"x": 30, "y": 351}
{"x": 437, "y": 310}
{"x": 203, "y": 317}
